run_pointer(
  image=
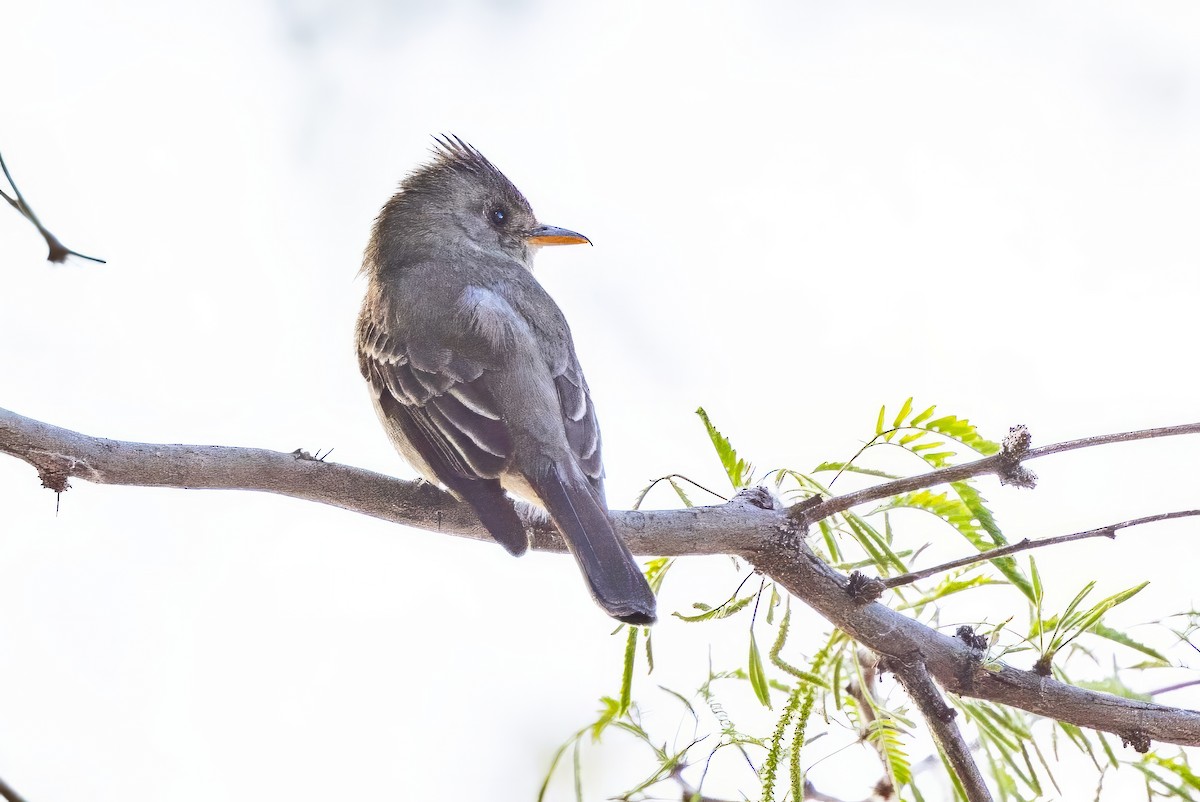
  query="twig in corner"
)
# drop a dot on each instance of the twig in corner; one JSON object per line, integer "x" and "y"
{"x": 9, "y": 794}
{"x": 58, "y": 251}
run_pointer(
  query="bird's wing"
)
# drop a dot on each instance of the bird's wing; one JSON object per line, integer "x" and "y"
{"x": 579, "y": 418}
{"x": 440, "y": 414}
{"x": 434, "y": 376}
{"x": 452, "y": 421}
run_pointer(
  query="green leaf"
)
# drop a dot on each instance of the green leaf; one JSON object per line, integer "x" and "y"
{"x": 637, "y": 502}
{"x": 948, "y": 587}
{"x": 1008, "y": 566}
{"x": 904, "y": 410}
{"x": 758, "y": 677}
{"x": 831, "y": 544}
{"x": 627, "y": 671}
{"x": 1114, "y": 686}
{"x": 847, "y": 467}
{"x": 1086, "y": 620}
{"x": 1108, "y": 751}
{"x": 773, "y": 603}
{"x": 562, "y": 750}
{"x": 1117, "y": 636}
{"x": 610, "y": 709}
{"x": 1045, "y": 766}
{"x": 578, "y": 774}
{"x": 770, "y": 766}
{"x": 656, "y": 572}
{"x": 964, "y": 432}
{"x": 687, "y": 502}
{"x": 738, "y": 470}
{"x": 879, "y": 422}
{"x": 884, "y": 733}
{"x": 715, "y": 613}
{"x": 1038, "y": 591}
{"x": 874, "y": 543}
{"x": 774, "y": 656}
{"x": 1172, "y": 790}
{"x": 1176, "y": 766}
{"x": 1064, "y": 619}
{"x": 960, "y": 793}
{"x": 968, "y": 519}
{"x": 859, "y": 564}
{"x": 922, "y": 417}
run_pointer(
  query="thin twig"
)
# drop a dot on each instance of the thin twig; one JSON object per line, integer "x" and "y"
{"x": 1179, "y": 686}
{"x": 9, "y": 794}
{"x": 812, "y": 794}
{"x": 1109, "y": 531}
{"x": 939, "y": 717}
{"x": 690, "y": 794}
{"x": 58, "y": 251}
{"x": 981, "y": 467}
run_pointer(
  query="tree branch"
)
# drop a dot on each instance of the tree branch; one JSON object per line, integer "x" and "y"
{"x": 1026, "y": 544}
{"x": 60, "y": 454}
{"x": 958, "y": 667}
{"x": 939, "y": 716}
{"x": 58, "y": 251}
{"x": 1179, "y": 686}
{"x": 749, "y": 526}
{"x": 9, "y": 794}
{"x": 998, "y": 464}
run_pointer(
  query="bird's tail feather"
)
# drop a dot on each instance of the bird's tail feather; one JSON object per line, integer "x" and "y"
{"x": 616, "y": 583}
{"x": 496, "y": 513}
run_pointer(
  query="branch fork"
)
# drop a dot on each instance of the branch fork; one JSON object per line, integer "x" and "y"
{"x": 752, "y": 525}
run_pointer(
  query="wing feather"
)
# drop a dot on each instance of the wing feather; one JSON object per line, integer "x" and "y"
{"x": 451, "y": 410}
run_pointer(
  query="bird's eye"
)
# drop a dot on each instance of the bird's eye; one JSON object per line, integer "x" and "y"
{"x": 499, "y": 217}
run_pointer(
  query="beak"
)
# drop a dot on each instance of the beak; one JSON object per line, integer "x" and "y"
{"x": 553, "y": 235}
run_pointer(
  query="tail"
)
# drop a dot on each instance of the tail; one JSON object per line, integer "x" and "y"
{"x": 616, "y": 583}
{"x": 496, "y": 512}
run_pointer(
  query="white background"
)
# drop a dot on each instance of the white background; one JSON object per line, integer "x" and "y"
{"x": 800, "y": 211}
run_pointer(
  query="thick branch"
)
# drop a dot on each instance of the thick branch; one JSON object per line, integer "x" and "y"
{"x": 957, "y": 667}
{"x": 940, "y": 717}
{"x": 59, "y": 454}
{"x": 746, "y": 526}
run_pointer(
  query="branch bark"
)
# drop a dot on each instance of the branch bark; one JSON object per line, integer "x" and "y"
{"x": 751, "y": 526}
{"x": 940, "y": 717}
{"x": 60, "y": 454}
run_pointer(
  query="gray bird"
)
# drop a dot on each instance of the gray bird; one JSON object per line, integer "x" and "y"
{"x": 472, "y": 368}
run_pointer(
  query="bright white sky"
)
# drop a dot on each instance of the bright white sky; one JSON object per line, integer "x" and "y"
{"x": 800, "y": 210}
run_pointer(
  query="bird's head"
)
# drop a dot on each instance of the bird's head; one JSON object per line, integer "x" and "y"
{"x": 457, "y": 204}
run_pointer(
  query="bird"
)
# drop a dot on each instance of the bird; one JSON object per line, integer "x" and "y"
{"x": 472, "y": 368}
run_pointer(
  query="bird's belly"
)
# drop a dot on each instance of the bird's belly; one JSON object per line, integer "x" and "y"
{"x": 517, "y": 485}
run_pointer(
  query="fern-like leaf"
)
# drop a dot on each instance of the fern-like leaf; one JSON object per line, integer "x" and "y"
{"x": 738, "y": 470}
{"x": 888, "y": 738}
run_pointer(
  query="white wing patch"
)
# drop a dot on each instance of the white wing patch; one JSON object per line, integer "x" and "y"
{"x": 492, "y": 317}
